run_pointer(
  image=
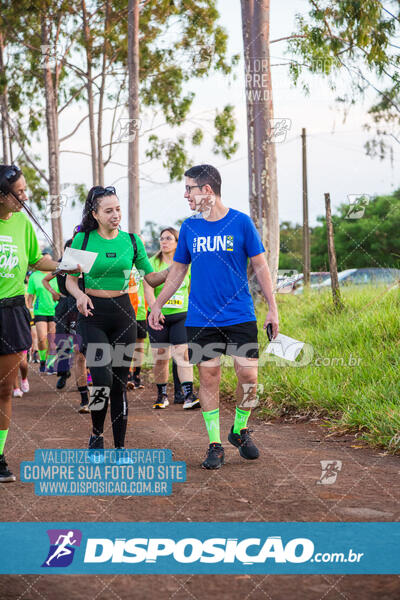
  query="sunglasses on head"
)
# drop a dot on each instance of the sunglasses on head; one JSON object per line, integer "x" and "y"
{"x": 12, "y": 173}
{"x": 103, "y": 191}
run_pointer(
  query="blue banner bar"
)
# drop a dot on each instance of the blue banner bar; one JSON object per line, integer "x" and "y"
{"x": 200, "y": 548}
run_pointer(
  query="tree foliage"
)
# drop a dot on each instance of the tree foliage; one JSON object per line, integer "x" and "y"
{"x": 370, "y": 241}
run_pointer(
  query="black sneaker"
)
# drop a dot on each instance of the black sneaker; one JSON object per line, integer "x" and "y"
{"x": 62, "y": 380}
{"x": 161, "y": 402}
{"x": 191, "y": 401}
{"x": 137, "y": 384}
{"x": 42, "y": 366}
{"x": 247, "y": 448}
{"x": 134, "y": 383}
{"x": 215, "y": 457}
{"x": 5, "y": 474}
{"x": 179, "y": 398}
{"x": 96, "y": 442}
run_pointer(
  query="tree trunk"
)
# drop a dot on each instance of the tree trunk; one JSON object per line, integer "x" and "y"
{"x": 332, "y": 254}
{"x": 101, "y": 100}
{"x": 89, "y": 88}
{"x": 53, "y": 143}
{"x": 3, "y": 107}
{"x": 263, "y": 188}
{"x": 133, "y": 140}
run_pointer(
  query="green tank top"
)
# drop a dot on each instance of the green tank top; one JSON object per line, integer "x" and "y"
{"x": 180, "y": 300}
{"x": 44, "y": 303}
{"x": 138, "y": 288}
{"x": 112, "y": 268}
{"x": 141, "y": 311}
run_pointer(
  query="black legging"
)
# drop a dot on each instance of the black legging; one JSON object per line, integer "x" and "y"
{"x": 66, "y": 319}
{"x": 111, "y": 330}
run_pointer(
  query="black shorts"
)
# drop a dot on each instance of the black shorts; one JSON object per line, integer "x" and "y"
{"x": 141, "y": 329}
{"x": 15, "y": 330}
{"x": 44, "y": 318}
{"x": 206, "y": 343}
{"x": 173, "y": 331}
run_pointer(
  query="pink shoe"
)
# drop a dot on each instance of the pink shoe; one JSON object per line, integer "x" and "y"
{"x": 24, "y": 385}
{"x": 17, "y": 393}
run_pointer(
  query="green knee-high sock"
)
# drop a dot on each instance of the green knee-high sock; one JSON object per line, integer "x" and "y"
{"x": 3, "y": 437}
{"x": 42, "y": 354}
{"x": 241, "y": 418}
{"x": 211, "y": 418}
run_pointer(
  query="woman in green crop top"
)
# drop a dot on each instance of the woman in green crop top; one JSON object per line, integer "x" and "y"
{"x": 107, "y": 321}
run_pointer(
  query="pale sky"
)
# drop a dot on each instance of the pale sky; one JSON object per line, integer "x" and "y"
{"x": 336, "y": 158}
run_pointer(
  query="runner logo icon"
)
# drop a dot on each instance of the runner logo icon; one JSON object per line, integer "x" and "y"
{"x": 62, "y": 547}
{"x": 98, "y": 397}
{"x": 330, "y": 470}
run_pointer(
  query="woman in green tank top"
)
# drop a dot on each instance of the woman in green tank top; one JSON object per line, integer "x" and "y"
{"x": 107, "y": 321}
{"x": 173, "y": 334}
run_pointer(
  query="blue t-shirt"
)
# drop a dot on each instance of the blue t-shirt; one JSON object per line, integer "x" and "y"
{"x": 218, "y": 250}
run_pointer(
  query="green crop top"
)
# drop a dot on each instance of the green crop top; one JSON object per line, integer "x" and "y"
{"x": 112, "y": 268}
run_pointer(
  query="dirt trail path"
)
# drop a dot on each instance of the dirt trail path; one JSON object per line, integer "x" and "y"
{"x": 280, "y": 486}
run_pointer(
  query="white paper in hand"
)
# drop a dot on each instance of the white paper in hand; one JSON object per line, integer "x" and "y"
{"x": 73, "y": 257}
{"x": 284, "y": 346}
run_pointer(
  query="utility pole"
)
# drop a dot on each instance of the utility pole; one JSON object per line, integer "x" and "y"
{"x": 306, "y": 229}
{"x": 332, "y": 254}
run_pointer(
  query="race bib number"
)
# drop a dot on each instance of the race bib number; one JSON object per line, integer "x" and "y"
{"x": 175, "y": 301}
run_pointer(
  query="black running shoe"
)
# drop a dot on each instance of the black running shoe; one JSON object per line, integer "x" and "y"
{"x": 42, "y": 366}
{"x": 191, "y": 401}
{"x": 161, "y": 402}
{"x": 5, "y": 474}
{"x": 215, "y": 457}
{"x": 62, "y": 380}
{"x": 134, "y": 383}
{"x": 179, "y": 398}
{"x": 247, "y": 448}
{"x": 96, "y": 442}
{"x": 137, "y": 384}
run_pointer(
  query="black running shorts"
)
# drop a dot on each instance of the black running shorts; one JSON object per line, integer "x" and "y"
{"x": 206, "y": 343}
{"x": 44, "y": 318}
{"x": 141, "y": 329}
{"x": 173, "y": 331}
{"x": 15, "y": 330}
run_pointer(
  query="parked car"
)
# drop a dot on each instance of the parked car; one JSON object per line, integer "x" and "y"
{"x": 295, "y": 284}
{"x": 366, "y": 276}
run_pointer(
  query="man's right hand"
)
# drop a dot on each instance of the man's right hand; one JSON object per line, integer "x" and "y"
{"x": 84, "y": 304}
{"x": 155, "y": 317}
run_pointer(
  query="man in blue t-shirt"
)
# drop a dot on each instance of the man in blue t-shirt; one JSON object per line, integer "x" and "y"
{"x": 218, "y": 242}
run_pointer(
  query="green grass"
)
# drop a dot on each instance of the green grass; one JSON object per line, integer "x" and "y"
{"x": 355, "y": 387}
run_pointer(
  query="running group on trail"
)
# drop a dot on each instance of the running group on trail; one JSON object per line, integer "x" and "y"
{"x": 192, "y": 299}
